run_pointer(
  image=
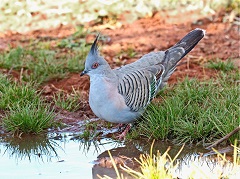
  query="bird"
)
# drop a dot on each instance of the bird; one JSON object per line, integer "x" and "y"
{"x": 121, "y": 95}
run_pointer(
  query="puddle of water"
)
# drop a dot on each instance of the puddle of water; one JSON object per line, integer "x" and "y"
{"x": 64, "y": 155}
{"x": 58, "y": 156}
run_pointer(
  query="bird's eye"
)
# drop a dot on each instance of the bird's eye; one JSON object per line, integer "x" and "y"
{"x": 95, "y": 65}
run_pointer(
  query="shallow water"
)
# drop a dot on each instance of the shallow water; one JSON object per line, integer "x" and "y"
{"x": 57, "y": 157}
{"x": 65, "y": 155}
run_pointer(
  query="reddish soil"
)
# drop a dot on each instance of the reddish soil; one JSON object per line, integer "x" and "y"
{"x": 145, "y": 35}
{"x": 153, "y": 34}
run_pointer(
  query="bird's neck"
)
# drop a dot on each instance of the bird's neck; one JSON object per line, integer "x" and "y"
{"x": 106, "y": 73}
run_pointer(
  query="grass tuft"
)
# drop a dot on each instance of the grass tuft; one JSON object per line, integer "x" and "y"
{"x": 12, "y": 94}
{"x": 194, "y": 112}
{"x": 90, "y": 132}
{"x": 224, "y": 66}
{"x": 26, "y": 113}
{"x": 154, "y": 166}
{"x": 32, "y": 118}
{"x": 69, "y": 102}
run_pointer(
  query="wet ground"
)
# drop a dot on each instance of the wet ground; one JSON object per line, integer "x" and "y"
{"x": 62, "y": 155}
{"x": 59, "y": 156}
{"x": 65, "y": 155}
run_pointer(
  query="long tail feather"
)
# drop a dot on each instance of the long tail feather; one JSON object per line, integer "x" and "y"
{"x": 174, "y": 54}
{"x": 190, "y": 40}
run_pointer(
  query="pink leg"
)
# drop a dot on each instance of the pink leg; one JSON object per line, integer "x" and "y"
{"x": 123, "y": 134}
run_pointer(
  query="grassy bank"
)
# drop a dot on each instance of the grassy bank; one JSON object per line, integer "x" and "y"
{"x": 22, "y": 107}
{"x": 40, "y": 61}
{"x": 195, "y": 111}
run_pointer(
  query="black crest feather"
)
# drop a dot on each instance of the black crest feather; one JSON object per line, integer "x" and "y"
{"x": 94, "y": 48}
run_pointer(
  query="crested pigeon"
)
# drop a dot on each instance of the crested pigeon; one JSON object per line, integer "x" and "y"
{"x": 121, "y": 95}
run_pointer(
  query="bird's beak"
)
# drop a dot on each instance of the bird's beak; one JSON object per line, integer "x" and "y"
{"x": 83, "y": 73}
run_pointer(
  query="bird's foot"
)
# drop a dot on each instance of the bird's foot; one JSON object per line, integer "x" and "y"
{"x": 124, "y": 133}
{"x": 119, "y": 126}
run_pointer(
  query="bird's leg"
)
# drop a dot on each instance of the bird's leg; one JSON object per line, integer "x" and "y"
{"x": 119, "y": 125}
{"x": 124, "y": 133}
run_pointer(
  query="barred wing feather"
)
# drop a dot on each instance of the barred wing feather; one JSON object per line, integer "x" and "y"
{"x": 140, "y": 86}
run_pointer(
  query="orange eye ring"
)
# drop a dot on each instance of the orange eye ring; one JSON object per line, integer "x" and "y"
{"x": 95, "y": 65}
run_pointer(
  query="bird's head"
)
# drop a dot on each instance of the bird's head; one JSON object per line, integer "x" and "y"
{"x": 94, "y": 64}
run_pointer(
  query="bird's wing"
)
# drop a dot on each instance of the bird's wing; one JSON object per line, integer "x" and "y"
{"x": 140, "y": 81}
{"x": 156, "y": 66}
{"x": 138, "y": 87}
{"x": 147, "y": 60}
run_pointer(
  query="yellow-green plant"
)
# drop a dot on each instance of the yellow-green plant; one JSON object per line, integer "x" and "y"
{"x": 155, "y": 166}
{"x": 164, "y": 167}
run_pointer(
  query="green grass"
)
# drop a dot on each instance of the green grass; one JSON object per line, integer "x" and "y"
{"x": 37, "y": 63}
{"x": 224, "y": 66}
{"x": 41, "y": 65}
{"x": 89, "y": 134}
{"x": 194, "y": 111}
{"x": 69, "y": 102}
{"x": 33, "y": 117}
{"x": 41, "y": 62}
{"x": 131, "y": 52}
{"x": 25, "y": 110}
{"x": 12, "y": 94}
